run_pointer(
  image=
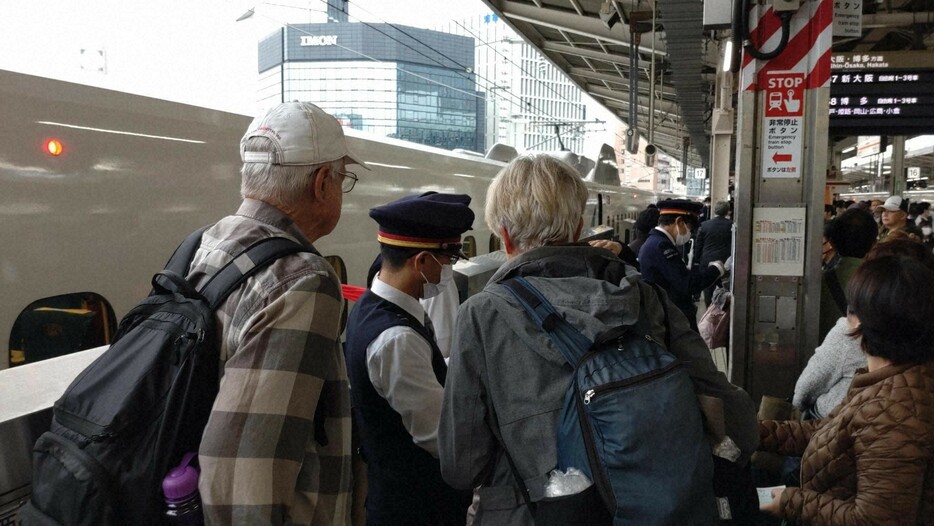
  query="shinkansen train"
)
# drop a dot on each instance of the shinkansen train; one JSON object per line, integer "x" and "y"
{"x": 99, "y": 186}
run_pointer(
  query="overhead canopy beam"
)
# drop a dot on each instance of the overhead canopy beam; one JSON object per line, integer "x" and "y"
{"x": 618, "y": 79}
{"x": 569, "y": 21}
{"x": 660, "y": 105}
{"x": 583, "y": 52}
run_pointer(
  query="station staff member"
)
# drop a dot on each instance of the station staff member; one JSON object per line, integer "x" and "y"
{"x": 395, "y": 367}
{"x": 661, "y": 262}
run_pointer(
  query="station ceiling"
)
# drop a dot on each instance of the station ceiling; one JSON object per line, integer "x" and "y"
{"x": 596, "y": 55}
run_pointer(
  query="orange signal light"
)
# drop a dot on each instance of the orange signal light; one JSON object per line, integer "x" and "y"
{"x": 54, "y": 147}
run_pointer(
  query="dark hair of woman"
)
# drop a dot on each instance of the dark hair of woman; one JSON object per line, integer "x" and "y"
{"x": 889, "y": 295}
{"x": 903, "y": 247}
{"x": 646, "y": 221}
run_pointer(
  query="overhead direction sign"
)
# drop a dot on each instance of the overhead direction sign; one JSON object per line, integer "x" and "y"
{"x": 886, "y": 93}
{"x": 783, "y": 124}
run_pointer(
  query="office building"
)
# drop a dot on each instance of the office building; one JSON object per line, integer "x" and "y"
{"x": 396, "y": 81}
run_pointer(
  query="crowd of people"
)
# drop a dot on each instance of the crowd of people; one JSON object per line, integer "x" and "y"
{"x": 472, "y": 439}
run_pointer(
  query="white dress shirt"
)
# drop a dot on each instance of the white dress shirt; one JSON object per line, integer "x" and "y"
{"x": 399, "y": 366}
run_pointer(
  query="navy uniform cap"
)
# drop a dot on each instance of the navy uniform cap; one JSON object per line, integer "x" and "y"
{"x": 430, "y": 221}
{"x": 679, "y": 207}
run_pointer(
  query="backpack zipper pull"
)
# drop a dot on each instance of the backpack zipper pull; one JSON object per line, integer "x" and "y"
{"x": 588, "y": 395}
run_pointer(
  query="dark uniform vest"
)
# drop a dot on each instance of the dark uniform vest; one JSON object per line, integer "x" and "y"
{"x": 404, "y": 481}
{"x": 661, "y": 263}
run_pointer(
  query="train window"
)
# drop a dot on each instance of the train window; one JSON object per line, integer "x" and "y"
{"x": 470, "y": 246}
{"x": 61, "y": 325}
{"x": 341, "y": 270}
{"x": 494, "y": 243}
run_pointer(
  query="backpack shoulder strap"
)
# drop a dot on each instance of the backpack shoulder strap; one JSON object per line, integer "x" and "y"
{"x": 183, "y": 255}
{"x": 836, "y": 290}
{"x": 570, "y": 342}
{"x": 244, "y": 265}
{"x": 661, "y": 300}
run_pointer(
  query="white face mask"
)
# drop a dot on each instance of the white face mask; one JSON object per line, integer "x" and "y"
{"x": 429, "y": 289}
{"x": 926, "y": 230}
{"x": 682, "y": 239}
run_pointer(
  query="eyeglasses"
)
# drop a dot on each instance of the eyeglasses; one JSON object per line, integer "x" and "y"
{"x": 347, "y": 184}
{"x": 452, "y": 258}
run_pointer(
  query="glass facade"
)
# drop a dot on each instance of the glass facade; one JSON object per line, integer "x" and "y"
{"x": 437, "y": 107}
{"x": 419, "y": 97}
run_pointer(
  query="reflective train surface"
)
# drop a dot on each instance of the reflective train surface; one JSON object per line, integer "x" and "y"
{"x": 99, "y": 186}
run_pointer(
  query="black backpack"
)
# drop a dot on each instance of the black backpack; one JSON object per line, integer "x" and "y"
{"x": 135, "y": 411}
{"x": 631, "y": 423}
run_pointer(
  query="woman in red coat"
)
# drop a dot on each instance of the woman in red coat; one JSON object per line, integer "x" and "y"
{"x": 871, "y": 461}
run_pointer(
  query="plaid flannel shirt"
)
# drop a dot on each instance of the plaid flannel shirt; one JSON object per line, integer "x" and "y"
{"x": 281, "y": 362}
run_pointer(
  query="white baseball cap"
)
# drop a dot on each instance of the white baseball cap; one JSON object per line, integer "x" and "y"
{"x": 303, "y": 134}
{"x": 894, "y": 203}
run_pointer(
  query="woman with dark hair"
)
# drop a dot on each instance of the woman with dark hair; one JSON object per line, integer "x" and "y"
{"x": 645, "y": 222}
{"x": 871, "y": 461}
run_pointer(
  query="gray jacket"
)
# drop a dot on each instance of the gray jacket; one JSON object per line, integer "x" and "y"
{"x": 827, "y": 376}
{"x": 506, "y": 381}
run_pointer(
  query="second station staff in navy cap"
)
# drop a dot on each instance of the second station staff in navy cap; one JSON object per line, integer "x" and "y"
{"x": 661, "y": 261}
{"x": 396, "y": 369}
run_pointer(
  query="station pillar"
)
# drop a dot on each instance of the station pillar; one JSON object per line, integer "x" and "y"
{"x": 721, "y": 138}
{"x": 781, "y": 163}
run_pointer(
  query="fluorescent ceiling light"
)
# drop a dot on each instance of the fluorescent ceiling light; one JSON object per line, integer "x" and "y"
{"x": 728, "y": 56}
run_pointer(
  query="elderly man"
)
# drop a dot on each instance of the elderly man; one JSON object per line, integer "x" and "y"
{"x": 506, "y": 381}
{"x": 276, "y": 449}
{"x": 895, "y": 218}
{"x": 397, "y": 371}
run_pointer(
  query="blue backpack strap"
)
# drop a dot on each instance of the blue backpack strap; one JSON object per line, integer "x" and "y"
{"x": 570, "y": 342}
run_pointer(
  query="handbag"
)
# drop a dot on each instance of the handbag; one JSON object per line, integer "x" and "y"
{"x": 714, "y": 325}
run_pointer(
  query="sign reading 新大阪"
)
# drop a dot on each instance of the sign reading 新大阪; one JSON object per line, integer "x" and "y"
{"x": 783, "y": 124}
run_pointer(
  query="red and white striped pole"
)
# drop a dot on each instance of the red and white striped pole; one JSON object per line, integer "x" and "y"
{"x": 809, "y": 44}
{"x": 781, "y": 159}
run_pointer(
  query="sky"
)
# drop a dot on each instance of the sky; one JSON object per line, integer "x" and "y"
{"x": 191, "y": 51}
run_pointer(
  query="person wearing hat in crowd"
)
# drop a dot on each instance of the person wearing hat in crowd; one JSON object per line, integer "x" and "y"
{"x": 895, "y": 218}
{"x": 276, "y": 448}
{"x": 661, "y": 262}
{"x": 396, "y": 369}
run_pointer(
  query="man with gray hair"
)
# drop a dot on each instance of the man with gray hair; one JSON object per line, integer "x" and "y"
{"x": 506, "y": 381}
{"x": 276, "y": 448}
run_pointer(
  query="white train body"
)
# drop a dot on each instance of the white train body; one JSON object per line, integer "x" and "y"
{"x": 136, "y": 174}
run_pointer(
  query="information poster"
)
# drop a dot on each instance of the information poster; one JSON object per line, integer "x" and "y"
{"x": 778, "y": 241}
